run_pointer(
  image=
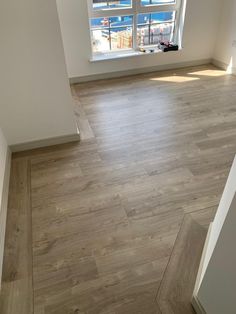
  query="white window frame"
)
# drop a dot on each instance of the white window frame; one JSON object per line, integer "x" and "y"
{"x": 135, "y": 9}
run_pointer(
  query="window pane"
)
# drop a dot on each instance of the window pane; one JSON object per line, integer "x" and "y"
{"x": 153, "y": 18}
{"x": 112, "y": 33}
{"x": 111, "y": 4}
{"x": 156, "y": 2}
{"x": 155, "y": 27}
{"x": 121, "y": 38}
{"x": 99, "y": 22}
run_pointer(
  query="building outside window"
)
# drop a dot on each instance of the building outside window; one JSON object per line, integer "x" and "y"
{"x": 123, "y": 25}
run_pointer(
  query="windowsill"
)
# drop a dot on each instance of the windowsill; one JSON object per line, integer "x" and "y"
{"x": 123, "y": 54}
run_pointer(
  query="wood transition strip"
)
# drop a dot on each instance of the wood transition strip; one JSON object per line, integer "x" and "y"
{"x": 175, "y": 293}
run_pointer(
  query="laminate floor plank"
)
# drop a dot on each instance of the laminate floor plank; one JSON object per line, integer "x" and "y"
{"x": 17, "y": 286}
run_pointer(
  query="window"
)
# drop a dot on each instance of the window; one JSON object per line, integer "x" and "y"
{"x": 128, "y": 25}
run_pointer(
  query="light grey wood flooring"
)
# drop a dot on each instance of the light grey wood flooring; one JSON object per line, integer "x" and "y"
{"x": 119, "y": 219}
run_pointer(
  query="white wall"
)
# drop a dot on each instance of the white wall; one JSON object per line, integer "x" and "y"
{"x": 201, "y": 22}
{"x": 35, "y": 99}
{"x": 225, "y": 48}
{"x": 218, "y": 282}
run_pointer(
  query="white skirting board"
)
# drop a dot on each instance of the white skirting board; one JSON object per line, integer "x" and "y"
{"x": 46, "y": 142}
{"x": 3, "y": 209}
{"x": 102, "y": 76}
{"x": 197, "y": 306}
{"x": 195, "y": 302}
{"x": 224, "y": 66}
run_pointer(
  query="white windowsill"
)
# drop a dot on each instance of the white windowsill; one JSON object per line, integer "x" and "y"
{"x": 124, "y": 54}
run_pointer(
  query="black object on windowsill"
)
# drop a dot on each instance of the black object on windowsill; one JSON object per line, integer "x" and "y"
{"x": 167, "y": 46}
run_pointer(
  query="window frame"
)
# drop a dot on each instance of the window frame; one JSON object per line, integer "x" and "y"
{"x": 135, "y": 9}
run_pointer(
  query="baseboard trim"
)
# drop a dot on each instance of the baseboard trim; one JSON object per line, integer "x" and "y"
{"x": 197, "y": 306}
{"x": 195, "y": 302}
{"x": 3, "y": 209}
{"x": 46, "y": 142}
{"x": 224, "y": 66}
{"x": 199, "y": 274}
{"x": 173, "y": 66}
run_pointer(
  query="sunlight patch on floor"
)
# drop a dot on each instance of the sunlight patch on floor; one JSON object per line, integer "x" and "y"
{"x": 209, "y": 73}
{"x": 175, "y": 79}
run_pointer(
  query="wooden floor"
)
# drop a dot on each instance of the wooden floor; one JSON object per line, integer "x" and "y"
{"x": 116, "y": 223}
